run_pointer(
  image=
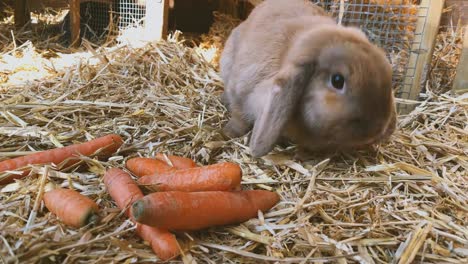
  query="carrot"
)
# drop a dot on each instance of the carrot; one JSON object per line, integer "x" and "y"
{"x": 176, "y": 161}
{"x": 224, "y": 176}
{"x": 121, "y": 188}
{"x": 163, "y": 242}
{"x": 146, "y": 166}
{"x": 71, "y": 207}
{"x": 159, "y": 164}
{"x": 109, "y": 144}
{"x": 185, "y": 211}
{"x": 125, "y": 191}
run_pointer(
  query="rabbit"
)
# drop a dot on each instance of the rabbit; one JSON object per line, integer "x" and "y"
{"x": 292, "y": 74}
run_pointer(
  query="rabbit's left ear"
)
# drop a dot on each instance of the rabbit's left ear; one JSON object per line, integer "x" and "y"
{"x": 282, "y": 100}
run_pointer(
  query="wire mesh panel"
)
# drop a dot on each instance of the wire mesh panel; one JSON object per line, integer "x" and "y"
{"x": 390, "y": 24}
{"x": 97, "y": 21}
{"x": 132, "y": 13}
{"x": 142, "y": 21}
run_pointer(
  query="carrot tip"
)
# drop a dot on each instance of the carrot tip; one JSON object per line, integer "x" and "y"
{"x": 92, "y": 219}
{"x": 137, "y": 209}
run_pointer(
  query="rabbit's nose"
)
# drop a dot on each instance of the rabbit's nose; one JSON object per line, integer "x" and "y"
{"x": 359, "y": 123}
{"x": 365, "y": 127}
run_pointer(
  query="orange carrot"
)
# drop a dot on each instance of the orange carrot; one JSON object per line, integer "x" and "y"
{"x": 224, "y": 176}
{"x": 71, "y": 207}
{"x": 125, "y": 191}
{"x": 146, "y": 166}
{"x": 121, "y": 188}
{"x": 163, "y": 242}
{"x": 109, "y": 144}
{"x": 176, "y": 161}
{"x": 198, "y": 210}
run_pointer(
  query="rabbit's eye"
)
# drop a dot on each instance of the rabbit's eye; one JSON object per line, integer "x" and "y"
{"x": 338, "y": 81}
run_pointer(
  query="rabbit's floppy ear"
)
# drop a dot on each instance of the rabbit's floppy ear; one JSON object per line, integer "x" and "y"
{"x": 282, "y": 100}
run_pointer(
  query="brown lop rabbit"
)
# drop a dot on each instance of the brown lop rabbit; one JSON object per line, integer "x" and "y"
{"x": 291, "y": 73}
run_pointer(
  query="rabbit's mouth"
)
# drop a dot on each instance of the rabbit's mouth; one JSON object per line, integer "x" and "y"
{"x": 385, "y": 133}
{"x": 381, "y": 136}
{"x": 336, "y": 138}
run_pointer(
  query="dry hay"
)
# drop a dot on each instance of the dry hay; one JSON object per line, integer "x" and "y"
{"x": 400, "y": 201}
{"x": 40, "y": 49}
{"x": 212, "y": 43}
{"x": 447, "y": 51}
{"x": 45, "y": 31}
{"x": 49, "y": 30}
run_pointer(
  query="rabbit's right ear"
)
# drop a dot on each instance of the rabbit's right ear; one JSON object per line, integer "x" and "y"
{"x": 282, "y": 100}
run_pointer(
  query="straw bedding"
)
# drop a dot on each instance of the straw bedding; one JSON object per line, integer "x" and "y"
{"x": 402, "y": 201}
{"x": 448, "y": 48}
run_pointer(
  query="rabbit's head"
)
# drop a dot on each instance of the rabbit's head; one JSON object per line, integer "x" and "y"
{"x": 333, "y": 90}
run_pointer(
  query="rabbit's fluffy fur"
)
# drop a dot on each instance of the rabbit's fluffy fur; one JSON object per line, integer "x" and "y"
{"x": 290, "y": 72}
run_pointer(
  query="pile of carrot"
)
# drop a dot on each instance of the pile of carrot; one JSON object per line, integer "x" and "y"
{"x": 125, "y": 191}
{"x": 190, "y": 197}
{"x": 183, "y": 196}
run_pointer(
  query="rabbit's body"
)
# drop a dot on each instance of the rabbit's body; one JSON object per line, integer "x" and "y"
{"x": 275, "y": 69}
{"x": 268, "y": 29}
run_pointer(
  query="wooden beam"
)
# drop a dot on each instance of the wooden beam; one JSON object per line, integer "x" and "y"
{"x": 22, "y": 14}
{"x": 420, "y": 60}
{"x": 75, "y": 22}
{"x": 157, "y": 17}
{"x": 461, "y": 78}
